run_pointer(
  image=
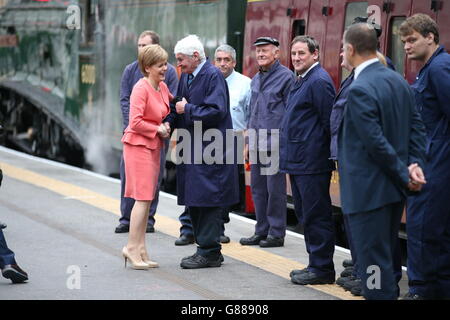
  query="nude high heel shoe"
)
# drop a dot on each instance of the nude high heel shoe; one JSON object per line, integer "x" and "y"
{"x": 146, "y": 259}
{"x": 138, "y": 265}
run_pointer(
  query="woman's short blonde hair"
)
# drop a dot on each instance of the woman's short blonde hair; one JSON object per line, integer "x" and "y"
{"x": 382, "y": 58}
{"x": 150, "y": 55}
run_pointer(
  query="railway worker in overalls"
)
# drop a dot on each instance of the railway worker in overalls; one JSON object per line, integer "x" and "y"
{"x": 130, "y": 77}
{"x": 270, "y": 88}
{"x": 240, "y": 93}
{"x": 204, "y": 186}
{"x": 428, "y": 212}
{"x": 305, "y": 155}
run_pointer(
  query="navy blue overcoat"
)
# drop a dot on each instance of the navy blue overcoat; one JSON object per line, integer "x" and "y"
{"x": 200, "y": 184}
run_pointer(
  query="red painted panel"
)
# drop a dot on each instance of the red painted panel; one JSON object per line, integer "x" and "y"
{"x": 330, "y": 58}
{"x": 443, "y": 18}
{"x": 270, "y": 18}
{"x": 317, "y": 24}
{"x": 265, "y": 18}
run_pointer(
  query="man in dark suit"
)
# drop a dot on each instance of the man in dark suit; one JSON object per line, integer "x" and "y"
{"x": 8, "y": 265}
{"x": 381, "y": 150}
{"x": 204, "y": 185}
{"x": 305, "y": 155}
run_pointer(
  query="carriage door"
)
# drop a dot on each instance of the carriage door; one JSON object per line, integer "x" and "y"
{"x": 341, "y": 16}
{"x": 442, "y": 10}
{"x": 297, "y": 12}
{"x": 319, "y": 12}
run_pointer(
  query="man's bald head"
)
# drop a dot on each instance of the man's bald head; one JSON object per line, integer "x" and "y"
{"x": 363, "y": 38}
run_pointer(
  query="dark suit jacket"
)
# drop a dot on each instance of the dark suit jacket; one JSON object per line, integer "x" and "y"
{"x": 305, "y": 129}
{"x": 200, "y": 184}
{"x": 380, "y": 135}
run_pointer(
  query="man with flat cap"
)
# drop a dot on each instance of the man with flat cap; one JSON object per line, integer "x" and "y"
{"x": 270, "y": 88}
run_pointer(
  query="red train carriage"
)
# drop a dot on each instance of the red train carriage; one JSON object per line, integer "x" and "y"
{"x": 326, "y": 20}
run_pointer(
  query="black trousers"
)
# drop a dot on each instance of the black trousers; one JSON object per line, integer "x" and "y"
{"x": 312, "y": 202}
{"x": 375, "y": 235}
{"x": 207, "y": 224}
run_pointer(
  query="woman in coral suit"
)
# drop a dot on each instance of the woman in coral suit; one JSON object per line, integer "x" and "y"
{"x": 142, "y": 144}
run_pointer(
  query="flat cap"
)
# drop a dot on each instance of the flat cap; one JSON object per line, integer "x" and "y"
{"x": 266, "y": 40}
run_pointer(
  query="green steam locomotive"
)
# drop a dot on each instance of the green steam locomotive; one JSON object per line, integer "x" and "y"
{"x": 61, "y": 64}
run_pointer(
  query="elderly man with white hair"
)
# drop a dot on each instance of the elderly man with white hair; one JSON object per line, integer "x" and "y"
{"x": 203, "y": 186}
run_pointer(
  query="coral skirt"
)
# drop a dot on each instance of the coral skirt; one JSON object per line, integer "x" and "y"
{"x": 141, "y": 171}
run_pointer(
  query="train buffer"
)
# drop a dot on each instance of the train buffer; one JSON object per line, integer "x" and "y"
{"x": 61, "y": 223}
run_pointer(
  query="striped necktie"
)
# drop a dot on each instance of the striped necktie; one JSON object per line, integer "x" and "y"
{"x": 189, "y": 79}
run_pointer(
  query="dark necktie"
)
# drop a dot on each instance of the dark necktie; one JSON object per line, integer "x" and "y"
{"x": 189, "y": 79}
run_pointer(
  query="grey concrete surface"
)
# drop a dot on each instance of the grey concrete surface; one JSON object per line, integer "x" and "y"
{"x": 51, "y": 234}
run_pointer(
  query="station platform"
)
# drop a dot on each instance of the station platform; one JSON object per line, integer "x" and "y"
{"x": 61, "y": 223}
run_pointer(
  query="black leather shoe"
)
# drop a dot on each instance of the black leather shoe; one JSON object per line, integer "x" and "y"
{"x": 296, "y": 272}
{"x": 196, "y": 254}
{"x": 357, "y": 290}
{"x": 197, "y": 261}
{"x": 150, "y": 229}
{"x": 347, "y": 272}
{"x": 271, "y": 242}
{"x": 349, "y": 285}
{"x": 342, "y": 280}
{"x": 347, "y": 263}
{"x": 412, "y": 296}
{"x": 184, "y": 240}
{"x": 311, "y": 278}
{"x": 2, "y": 225}
{"x": 252, "y": 241}
{"x": 224, "y": 239}
{"x": 122, "y": 228}
{"x": 14, "y": 273}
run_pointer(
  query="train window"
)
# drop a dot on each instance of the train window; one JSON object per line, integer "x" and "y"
{"x": 395, "y": 48}
{"x": 298, "y": 28}
{"x": 353, "y": 10}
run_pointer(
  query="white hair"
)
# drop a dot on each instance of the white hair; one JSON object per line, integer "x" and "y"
{"x": 189, "y": 45}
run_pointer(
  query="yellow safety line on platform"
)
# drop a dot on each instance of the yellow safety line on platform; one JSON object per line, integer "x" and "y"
{"x": 259, "y": 258}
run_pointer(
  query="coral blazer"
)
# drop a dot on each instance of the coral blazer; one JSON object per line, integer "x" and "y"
{"x": 148, "y": 108}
